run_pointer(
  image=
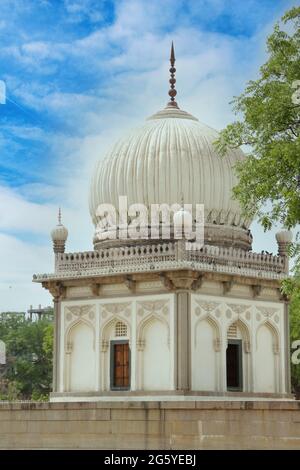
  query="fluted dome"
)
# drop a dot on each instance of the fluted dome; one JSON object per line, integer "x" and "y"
{"x": 59, "y": 236}
{"x": 171, "y": 156}
{"x": 59, "y": 233}
{"x": 284, "y": 236}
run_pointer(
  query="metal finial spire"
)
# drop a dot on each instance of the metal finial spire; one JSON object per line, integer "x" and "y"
{"x": 172, "y": 81}
{"x": 59, "y": 216}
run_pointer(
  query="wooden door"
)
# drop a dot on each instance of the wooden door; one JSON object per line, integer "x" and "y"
{"x": 121, "y": 365}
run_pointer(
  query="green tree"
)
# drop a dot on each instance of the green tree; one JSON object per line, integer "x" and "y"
{"x": 28, "y": 371}
{"x": 269, "y": 124}
{"x": 269, "y": 111}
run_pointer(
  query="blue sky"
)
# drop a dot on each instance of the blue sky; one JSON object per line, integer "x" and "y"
{"x": 80, "y": 73}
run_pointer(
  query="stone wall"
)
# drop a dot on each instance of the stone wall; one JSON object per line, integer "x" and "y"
{"x": 151, "y": 425}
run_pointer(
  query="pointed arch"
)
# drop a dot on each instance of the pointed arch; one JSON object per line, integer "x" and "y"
{"x": 267, "y": 377}
{"x": 153, "y": 339}
{"x": 73, "y": 325}
{"x": 111, "y": 323}
{"x": 244, "y": 329}
{"x": 274, "y": 331}
{"x": 146, "y": 322}
{"x": 215, "y": 327}
{"x": 80, "y": 357}
{"x": 206, "y": 348}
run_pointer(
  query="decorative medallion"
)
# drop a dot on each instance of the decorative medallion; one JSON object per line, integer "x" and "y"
{"x": 228, "y": 313}
{"x": 69, "y": 316}
{"x": 79, "y": 311}
{"x": 91, "y": 315}
{"x": 140, "y": 312}
{"x": 116, "y": 308}
{"x": 127, "y": 312}
{"x": 218, "y": 313}
{"x": 207, "y": 306}
{"x": 153, "y": 306}
{"x": 198, "y": 311}
{"x": 267, "y": 311}
{"x": 165, "y": 311}
{"x": 238, "y": 308}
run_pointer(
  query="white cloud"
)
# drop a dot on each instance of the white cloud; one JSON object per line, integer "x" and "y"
{"x": 18, "y": 261}
{"x": 133, "y": 52}
{"x": 18, "y": 214}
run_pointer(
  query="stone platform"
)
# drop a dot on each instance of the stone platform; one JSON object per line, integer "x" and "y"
{"x": 271, "y": 424}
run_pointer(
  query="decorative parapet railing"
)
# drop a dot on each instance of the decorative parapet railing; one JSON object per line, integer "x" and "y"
{"x": 165, "y": 256}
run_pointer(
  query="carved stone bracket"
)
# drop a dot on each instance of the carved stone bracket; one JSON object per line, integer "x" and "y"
{"x": 227, "y": 285}
{"x": 282, "y": 296}
{"x": 168, "y": 284}
{"x": 95, "y": 286}
{"x": 183, "y": 279}
{"x": 130, "y": 283}
{"x": 197, "y": 283}
{"x": 247, "y": 347}
{"x": 256, "y": 290}
{"x": 56, "y": 289}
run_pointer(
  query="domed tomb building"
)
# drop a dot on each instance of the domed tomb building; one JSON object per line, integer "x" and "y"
{"x": 160, "y": 317}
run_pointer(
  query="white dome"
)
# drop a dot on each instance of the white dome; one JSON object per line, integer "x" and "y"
{"x": 170, "y": 157}
{"x": 284, "y": 236}
{"x": 59, "y": 233}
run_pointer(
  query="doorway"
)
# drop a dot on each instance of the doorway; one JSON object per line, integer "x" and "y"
{"x": 234, "y": 365}
{"x": 119, "y": 365}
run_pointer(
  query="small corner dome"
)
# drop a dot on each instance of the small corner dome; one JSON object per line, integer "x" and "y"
{"x": 284, "y": 236}
{"x": 59, "y": 233}
{"x": 182, "y": 216}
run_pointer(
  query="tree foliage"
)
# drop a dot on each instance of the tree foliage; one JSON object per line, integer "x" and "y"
{"x": 269, "y": 111}
{"x": 269, "y": 124}
{"x": 28, "y": 372}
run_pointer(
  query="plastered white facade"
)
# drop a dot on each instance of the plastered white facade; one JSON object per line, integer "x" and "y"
{"x": 87, "y": 328}
{"x": 150, "y": 332}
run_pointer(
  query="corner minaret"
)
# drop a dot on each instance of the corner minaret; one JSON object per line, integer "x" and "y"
{"x": 284, "y": 238}
{"x": 59, "y": 236}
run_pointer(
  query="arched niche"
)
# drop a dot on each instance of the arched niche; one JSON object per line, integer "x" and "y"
{"x": 154, "y": 353}
{"x": 80, "y": 357}
{"x": 108, "y": 329}
{"x": 205, "y": 355}
{"x": 267, "y": 358}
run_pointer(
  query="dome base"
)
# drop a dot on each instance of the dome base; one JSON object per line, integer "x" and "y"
{"x": 216, "y": 235}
